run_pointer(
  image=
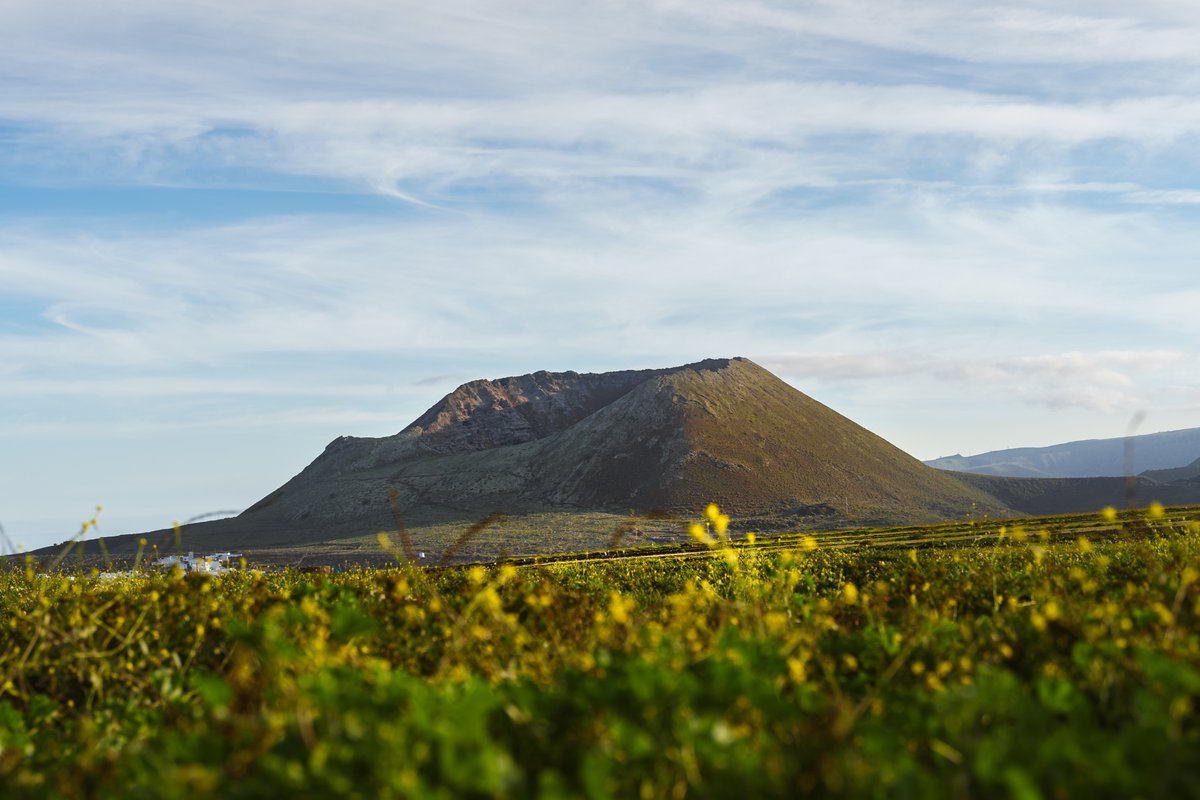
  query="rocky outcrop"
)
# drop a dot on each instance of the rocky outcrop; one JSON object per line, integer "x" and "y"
{"x": 485, "y": 414}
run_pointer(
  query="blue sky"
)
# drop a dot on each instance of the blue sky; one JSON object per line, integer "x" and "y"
{"x": 232, "y": 231}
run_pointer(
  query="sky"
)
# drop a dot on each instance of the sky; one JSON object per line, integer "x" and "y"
{"x": 233, "y": 231}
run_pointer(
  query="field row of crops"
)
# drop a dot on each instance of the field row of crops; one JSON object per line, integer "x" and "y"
{"x": 996, "y": 664}
{"x": 1108, "y": 523}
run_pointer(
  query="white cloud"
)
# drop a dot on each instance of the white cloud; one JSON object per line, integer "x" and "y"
{"x": 660, "y": 283}
{"x": 1104, "y": 381}
{"x": 844, "y": 366}
{"x": 413, "y": 102}
{"x": 1102, "y": 364}
{"x": 702, "y": 138}
{"x": 1086, "y": 396}
{"x": 166, "y": 387}
{"x": 338, "y": 419}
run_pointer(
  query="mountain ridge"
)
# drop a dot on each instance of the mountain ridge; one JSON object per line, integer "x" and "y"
{"x": 1083, "y": 458}
{"x": 1188, "y": 472}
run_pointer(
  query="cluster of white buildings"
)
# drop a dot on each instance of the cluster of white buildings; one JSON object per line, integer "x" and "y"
{"x": 214, "y": 564}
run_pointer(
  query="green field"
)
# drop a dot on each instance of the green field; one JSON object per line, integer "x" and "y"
{"x": 1053, "y": 659}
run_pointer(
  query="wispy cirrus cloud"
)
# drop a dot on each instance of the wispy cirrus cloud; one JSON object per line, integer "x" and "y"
{"x": 1186, "y": 197}
{"x": 1104, "y": 381}
{"x": 219, "y": 296}
{"x": 699, "y": 96}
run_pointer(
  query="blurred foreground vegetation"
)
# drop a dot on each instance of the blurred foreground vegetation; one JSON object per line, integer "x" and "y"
{"x": 1017, "y": 665}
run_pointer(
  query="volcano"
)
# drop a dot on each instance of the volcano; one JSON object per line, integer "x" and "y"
{"x": 657, "y": 443}
{"x": 648, "y": 441}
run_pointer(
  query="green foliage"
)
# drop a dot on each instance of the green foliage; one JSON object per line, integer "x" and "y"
{"x": 1007, "y": 664}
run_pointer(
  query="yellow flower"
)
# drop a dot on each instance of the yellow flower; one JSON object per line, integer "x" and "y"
{"x": 697, "y": 532}
{"x": 1109, "y": 513}
{"x": 619, "y": 608}
{"x": 1156, "y": 510}
{"x": 489, "y": 600}
{"x": 850, "y": 592}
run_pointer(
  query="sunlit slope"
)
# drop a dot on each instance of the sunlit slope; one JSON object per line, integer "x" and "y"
{"x": 739, "y": 436}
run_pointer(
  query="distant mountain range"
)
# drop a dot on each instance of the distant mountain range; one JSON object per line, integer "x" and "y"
{"x": 637, "y": 445}
{"x": 1152, "y": 454}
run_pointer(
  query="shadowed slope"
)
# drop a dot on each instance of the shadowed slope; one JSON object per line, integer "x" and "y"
{"x": 1044, "y": 496}
{"x": 477, "y": 416}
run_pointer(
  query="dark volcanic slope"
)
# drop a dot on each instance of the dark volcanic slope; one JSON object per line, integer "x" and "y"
{"x": 674, "y": 439}
{"x": 480, "y": 415}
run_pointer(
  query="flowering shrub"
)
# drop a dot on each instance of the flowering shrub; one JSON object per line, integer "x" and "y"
{"x": 1012, "y": 662}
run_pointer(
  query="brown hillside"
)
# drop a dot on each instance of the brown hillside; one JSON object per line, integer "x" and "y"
{"x": 737, "y": 435}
